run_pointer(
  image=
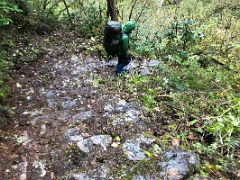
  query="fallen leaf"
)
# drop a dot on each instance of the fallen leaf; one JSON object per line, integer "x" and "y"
{"x": 190, "y": 137}
{"x": 93, "y": 39}
{"x": 86, "y": 135}
{"x": 28, "y": 97}
{"x": 117, "y": 138}
{"x": 238, "y": 173}
{"x": 175, "y": 142}
{"x": 115, "y": 145}
{"x": 148, "y": 153}
{"x": 157, "y": 109}
{"x": 18, "y": 85}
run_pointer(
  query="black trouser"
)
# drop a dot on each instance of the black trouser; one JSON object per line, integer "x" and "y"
{"x": 122, "y": 63}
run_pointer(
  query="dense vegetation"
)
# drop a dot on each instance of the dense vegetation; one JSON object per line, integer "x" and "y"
{"x": 196, "y": 84}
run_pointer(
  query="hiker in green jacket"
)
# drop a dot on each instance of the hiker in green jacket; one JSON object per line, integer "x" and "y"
{"x": 123, "y": 56}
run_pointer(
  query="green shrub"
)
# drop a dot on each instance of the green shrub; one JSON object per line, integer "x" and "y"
{"x": 4, "y": 67}
{"x": 225, "y": 129}
{"x": 6, "y": 9}
{"x": 89, "y": 18}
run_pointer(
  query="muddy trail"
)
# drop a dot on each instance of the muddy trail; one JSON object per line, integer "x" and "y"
{"x": 74, "y": 119}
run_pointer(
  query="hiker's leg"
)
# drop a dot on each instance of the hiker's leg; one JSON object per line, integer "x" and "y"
{"x": 120, "y": 69}
{"x": 120, "y": 60}
{"x": 126, "y": 60}
{"x": 123, "y": 64}
{"x": 120, "y": 65}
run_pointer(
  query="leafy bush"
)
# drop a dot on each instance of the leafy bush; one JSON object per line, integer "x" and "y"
{"x": 4, "y": 67}
{"x": 225, "y": 129}
{"x": 89, "y": 18}
{"x": 197, "y": 78}
{"x": 6, "y": 9}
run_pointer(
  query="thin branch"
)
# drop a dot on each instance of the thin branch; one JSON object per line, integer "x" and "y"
{"x": 175, "y": 99}
{"x": 70, "y": 19}
{"x": 131, "y": 12}
{"x": 143, "y": 8}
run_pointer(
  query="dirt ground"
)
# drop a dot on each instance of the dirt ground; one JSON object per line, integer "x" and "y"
{"x": 74, "y": 119}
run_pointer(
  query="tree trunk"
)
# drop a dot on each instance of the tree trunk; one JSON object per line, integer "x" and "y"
{"x": 112, "y": 10}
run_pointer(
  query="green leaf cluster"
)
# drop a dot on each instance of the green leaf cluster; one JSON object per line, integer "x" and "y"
{"x": 225, "y": 129}
{"x": 4, "y": 67}
{"x": 6, "y": 9}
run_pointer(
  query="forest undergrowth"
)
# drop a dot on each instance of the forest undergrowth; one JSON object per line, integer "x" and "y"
{"x": 197, "y": 83}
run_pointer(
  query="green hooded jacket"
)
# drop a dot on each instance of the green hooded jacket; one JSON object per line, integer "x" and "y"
{"x": 124, "y": 42}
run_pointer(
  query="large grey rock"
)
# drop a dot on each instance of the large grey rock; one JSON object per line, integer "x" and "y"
{"x": 111, "y": 63}
{"x": 22, "y": 168}
{"x": 50, "y": 94}
{"x": 40, "y": 167}
{"x": 92, "y": 66}
{"x": 178, "y": 165}
{"x": 132, "y": 65}
{"x": 121, "y": 105}
{"x": 153, "y": 63}
{"x": 145, "y": 71}
{"x": 139, "y": 177}
{"x": 101, "y": 140}
{"x": 102, "y": 173}
{"x": 40, "y": 119}
{"x": 108, "y": 108}
{"x": 132, "y": 148}
{"x": 74, "y": 59}
{"x": 78, "y": 70}
{"x": 106, "y": 114}
{"x": 132, "y": 115}
{"x": 73, "y": 135}
{"x": 78, "y": 118}
{"x": 133, "y": 151}
{"x": 52, "y": 103}
{"x": 81, "y": 176}
{"x": 68, "y": 104}
{"x": 118, "y": 121}
{"x": 145, "y": 177}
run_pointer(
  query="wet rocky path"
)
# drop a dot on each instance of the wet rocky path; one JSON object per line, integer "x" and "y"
{"x": 74, "y": 119}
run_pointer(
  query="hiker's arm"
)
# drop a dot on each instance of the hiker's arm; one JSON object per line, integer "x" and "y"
{"x": 124, "y": 47}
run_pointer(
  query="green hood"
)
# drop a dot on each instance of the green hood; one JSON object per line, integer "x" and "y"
{"x": 129, "y": 27}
